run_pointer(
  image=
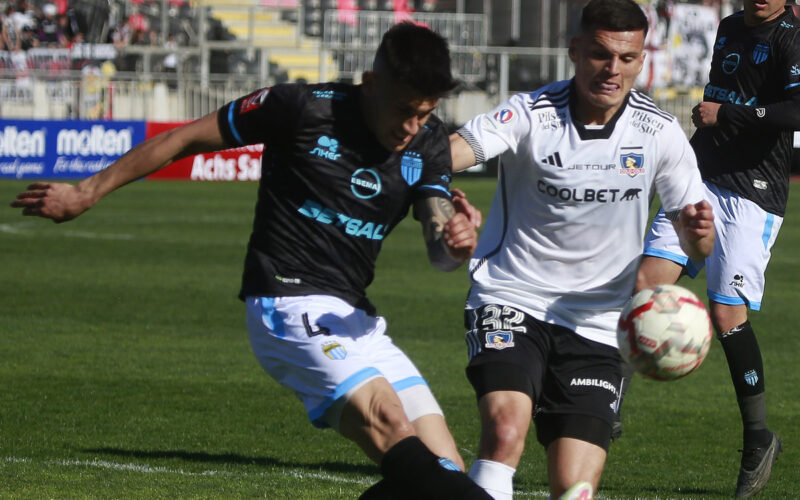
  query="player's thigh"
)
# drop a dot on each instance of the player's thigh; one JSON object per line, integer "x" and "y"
{"x": 507, "y": 350}
{"x": 316, "y": 346}
{"x": 744, "y": 240}
{"x": 581, "y": 393}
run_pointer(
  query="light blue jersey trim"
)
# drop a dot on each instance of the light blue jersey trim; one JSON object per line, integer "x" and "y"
{"x": 408, "y": 382}
{"x": 768, "y": 229}
{"x": 353, "y": 380}
{"x": 435, "y": 186}
{"x": 271, "y": 318}
{"x": 791, "y": 85}
{"x": 733, "y": 301}
{"x": 233, "y": 127}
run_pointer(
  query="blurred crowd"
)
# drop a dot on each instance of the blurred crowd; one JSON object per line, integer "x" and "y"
{"x": 25, "y": 24}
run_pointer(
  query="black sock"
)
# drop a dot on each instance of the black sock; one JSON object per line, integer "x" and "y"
{"x": 411, "y": 465}
{"x": 747, "y": 373}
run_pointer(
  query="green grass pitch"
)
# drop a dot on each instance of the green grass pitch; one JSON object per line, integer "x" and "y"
{"x": 125, "y": 369}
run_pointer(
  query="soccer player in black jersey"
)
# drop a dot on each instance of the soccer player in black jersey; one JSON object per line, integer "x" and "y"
{"x": 342, "y": 165}
{"x": 743, "y": 142}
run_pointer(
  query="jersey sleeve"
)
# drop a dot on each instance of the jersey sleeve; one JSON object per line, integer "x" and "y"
{"x": 266, "y": 116}
{"x": 678, "y": 181}
{"x": 437, "y": 166}
{"x": 499, "y": 130}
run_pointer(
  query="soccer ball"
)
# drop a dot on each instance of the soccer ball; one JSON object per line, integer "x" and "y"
{"x": 664, "y": 332}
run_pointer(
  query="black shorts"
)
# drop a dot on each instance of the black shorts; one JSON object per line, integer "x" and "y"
{"x": 574, "y": 382}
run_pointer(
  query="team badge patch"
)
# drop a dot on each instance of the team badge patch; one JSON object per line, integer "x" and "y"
{"x": 760, "y": 52}
{"x": 499, "y": 340}
{"x": 411, "y": 167}
{"x": 334, "y": 350}
{"x": 632, "y": 164}
{"x": 751, "y": 378}
{"x": 504, "y": 116}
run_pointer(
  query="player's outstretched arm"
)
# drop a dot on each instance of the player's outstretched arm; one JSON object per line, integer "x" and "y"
{"x": 461, "y": 152}
{"x": 695, "y": 228}
{"x": 449, "y": 229}
{"x": 62, "y": 202}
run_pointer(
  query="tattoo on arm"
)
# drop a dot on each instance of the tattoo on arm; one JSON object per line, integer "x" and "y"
{"x": 433, "y": 214}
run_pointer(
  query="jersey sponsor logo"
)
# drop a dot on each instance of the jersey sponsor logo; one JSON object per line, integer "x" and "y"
{"x": 720, "y": 43}
{"x": 784, "y": 24}
{"x": 411, "y": 167}
{"x": 594, "y": 167}
{"x": 333, "y": 95}
{"x": 631, "y": 194}
{"x": 761, "y": 112}
{"x": 760, "y": 52}
{"x": 499, "y": 340}
{"x": 632, "y": 164}
{"x": 725, "y": 95}
{"x": 288, "y": 281}
{"x": 553, "y": 159}
{"x": 582, "y": 195}
{"x": 334, "y": 350}
{"x": 253, "y": 101}
{"x": 504, "y": 116}
{"x": 759, "y": 184}
{"x": 730, "y": 63}
{"x": 550, "y": 120}
{"x": 795, "y": 71}
{"x": 751, "y": 377}
{"x": 738, "y": 281}
{"x": 594, "y": 382}
{"x": 326, "y": 148}
{"x": 356, "y": 228}
{"x": 647, "y": 123}
{"x": 365, "y": 183}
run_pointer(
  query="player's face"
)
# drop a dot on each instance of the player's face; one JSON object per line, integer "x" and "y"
{"x": 761, "y": 11}
{"x": 606, "y": 65}
{"x": 394, "y": 112}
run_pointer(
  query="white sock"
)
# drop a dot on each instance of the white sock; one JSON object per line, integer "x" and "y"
{"x": 494, "y": 477}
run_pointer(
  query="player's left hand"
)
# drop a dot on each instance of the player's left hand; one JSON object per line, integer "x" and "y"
{"x": 705, "y": 114}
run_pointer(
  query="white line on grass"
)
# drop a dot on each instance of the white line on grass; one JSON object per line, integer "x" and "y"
{"x": 21, "y": 229}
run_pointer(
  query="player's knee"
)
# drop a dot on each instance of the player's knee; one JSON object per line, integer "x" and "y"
{"x": 725, "y": 317}
{"x": 504, "y": 436}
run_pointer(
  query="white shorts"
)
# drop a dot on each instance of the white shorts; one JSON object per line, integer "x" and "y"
{"x": 324, "y": 350}
{"x": 745, "y": 235}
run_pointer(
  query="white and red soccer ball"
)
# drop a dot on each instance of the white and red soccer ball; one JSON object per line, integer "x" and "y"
{"x": 664, "y": 332}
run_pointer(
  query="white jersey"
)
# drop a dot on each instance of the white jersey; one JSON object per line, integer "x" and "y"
{"x": 565, "y": 232}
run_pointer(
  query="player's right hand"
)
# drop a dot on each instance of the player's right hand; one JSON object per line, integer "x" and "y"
{"x": 57, "y": 201}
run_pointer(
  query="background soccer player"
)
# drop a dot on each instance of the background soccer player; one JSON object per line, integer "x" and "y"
{"x": 558, "y": 257}
{"x": 342, "y": 165}
{"x": 750, "y": 108}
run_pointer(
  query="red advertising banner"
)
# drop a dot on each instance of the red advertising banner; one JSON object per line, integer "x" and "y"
{"x": 238, "y": 164}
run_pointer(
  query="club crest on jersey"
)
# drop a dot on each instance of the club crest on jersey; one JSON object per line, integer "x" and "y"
{"x": 253, "y": 101}
{"x": 411, "y": 167}
{"x": 326, "y": 148}
{"x": 632, "y": 164}
{"x": 720, "y": 43}
{"x": 499, "y": 340}
{"x": 334, "y": 350}
{"x": 365, "y": 183}
{"x": 760, "y": 52}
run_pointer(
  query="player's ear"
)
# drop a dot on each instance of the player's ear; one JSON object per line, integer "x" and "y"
{"x": 573, "y": 49}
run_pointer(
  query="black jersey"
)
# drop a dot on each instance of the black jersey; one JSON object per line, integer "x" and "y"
{"x": 753, "y": 66}
{"x": 329, "y": 192}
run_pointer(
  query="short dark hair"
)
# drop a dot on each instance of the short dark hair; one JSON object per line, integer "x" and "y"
{"x": 613, "y": 15}
{"x": 415, "y": 56}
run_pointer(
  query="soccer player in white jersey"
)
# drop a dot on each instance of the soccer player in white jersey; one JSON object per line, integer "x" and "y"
{"x": 580, "y": 161}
